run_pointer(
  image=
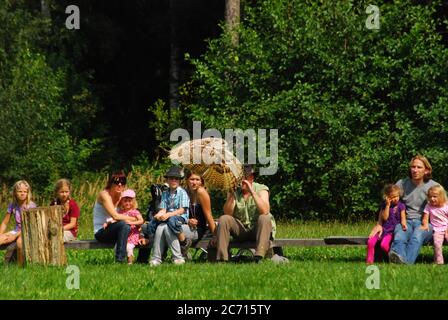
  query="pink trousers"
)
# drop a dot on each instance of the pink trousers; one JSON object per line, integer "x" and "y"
{"x": 385, "y": 243}
{"x": 438, "y": 244}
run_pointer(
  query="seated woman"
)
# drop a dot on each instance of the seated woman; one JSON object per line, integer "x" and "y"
{"x": 200, "y": 213}
{"x": 105, "y": 207}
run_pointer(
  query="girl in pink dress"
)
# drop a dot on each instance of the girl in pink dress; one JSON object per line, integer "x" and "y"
{"x": 437, "y": 211}
{"x": 128, "y": 207}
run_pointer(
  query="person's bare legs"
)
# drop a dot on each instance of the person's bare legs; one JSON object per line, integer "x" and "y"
{"x": 6, "y": 238}
{"x": 20, "y": 258}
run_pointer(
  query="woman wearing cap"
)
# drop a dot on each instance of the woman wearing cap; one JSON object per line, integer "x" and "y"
{"x": 246, "y": 217}
{"x": 105, "y": 208}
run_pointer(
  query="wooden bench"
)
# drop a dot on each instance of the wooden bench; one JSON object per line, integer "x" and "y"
{"x": 284, "y": 242}
{"x": 93, "y": 244}
{"x": 291, "y": 242}
{"x": 202, "y": 245}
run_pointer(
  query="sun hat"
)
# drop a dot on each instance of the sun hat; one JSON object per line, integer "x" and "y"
{"x": 175, "y": 172}
{"x": 129, "y": 193}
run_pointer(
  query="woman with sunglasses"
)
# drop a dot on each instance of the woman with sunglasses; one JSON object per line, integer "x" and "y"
{"x": 105, "y": 208}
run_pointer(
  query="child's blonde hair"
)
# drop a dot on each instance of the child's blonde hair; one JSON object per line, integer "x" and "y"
{"x": 16, "y": 186}
{"x": 134, "y": 203}
{"x": 389, "y": 189}
{"x": 440, "y": 191}
{"x": 59, "y": 184}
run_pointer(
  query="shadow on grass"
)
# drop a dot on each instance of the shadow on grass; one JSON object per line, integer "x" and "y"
{"x": 316, "y": 254}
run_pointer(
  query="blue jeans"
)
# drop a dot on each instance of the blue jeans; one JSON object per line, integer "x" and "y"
{"x": 174, "y": 223}
{"x": 116, "y": 233}
{"x": 407, "y": 244}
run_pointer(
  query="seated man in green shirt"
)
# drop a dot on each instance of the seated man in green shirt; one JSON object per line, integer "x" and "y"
{"x": 246, "y": 217}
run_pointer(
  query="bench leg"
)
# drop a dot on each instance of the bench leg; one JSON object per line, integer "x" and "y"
{"x": 143, "y": 255}
{"x": 278, "y": 251}
{"x": 202, "y": 254}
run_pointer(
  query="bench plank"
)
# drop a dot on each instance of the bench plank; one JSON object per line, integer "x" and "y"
{"x": 87, "y": 244}
{"x": 342, "y": 240}
{"x": 93, "y": 244}
{"x": 292, "y": 242}
{"x": 306, "y": 242}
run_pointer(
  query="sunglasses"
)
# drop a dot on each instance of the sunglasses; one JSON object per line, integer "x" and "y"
{"x": 119, "y": 180}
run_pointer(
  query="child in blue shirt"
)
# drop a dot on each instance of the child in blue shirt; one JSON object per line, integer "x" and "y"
{"x": 173, "y": 211}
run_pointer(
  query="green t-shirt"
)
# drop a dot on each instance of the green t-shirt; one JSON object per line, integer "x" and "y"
{"x": 246, "y": 210}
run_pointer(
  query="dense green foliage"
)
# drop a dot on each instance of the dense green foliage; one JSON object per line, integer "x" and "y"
{"x": 352, "y": 105}
{"x": 35, "y": 140}
{"x": 80, "y": 97}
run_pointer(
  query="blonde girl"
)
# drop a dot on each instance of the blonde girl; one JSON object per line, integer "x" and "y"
{"x": 62, "y": 196}
{"x": 437, "y": 211}
{"x": 21, "y": 200}
{"x": 128, "y": 207}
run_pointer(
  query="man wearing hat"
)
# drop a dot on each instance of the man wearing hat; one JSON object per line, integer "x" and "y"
{"x": 174, "y": 212}
{"x": 246, "y": 217}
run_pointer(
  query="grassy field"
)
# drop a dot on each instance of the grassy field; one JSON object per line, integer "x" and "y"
{"x": 313, "y": 273}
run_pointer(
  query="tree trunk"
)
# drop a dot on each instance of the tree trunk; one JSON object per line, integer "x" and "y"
{"x": 45, "y": 8}
{"x": 174, "y": 58}
{"x": 232, "y": 17}
{"x": 43, "y": 236}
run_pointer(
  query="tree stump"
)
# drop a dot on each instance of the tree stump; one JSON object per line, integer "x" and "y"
{"x": 43, "y": 236}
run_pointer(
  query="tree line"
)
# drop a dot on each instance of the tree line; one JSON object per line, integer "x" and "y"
{"x": 352, "y": 105}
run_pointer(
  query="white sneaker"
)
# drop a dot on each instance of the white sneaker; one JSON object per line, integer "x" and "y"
{"x": 279, "y": 259}
{"x": 178, "y": 261}
{"x": 154, "y": 263}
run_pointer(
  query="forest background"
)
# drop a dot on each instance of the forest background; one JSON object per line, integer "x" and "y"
{"x": 352, "y": 104}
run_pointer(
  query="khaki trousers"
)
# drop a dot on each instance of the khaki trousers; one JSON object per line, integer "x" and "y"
{"x": 230, "y": 226}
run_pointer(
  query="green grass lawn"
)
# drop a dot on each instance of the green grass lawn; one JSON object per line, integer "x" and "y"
{"x": 313, "y": 273}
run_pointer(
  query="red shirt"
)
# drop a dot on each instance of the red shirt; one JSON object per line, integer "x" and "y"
{"x": 73, "y": 212}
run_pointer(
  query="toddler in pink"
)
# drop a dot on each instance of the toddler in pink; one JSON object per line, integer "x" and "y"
{"x": 392, "y": 212}
{"x": 128, "y": 207}
{"x": 437, "y": 210}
